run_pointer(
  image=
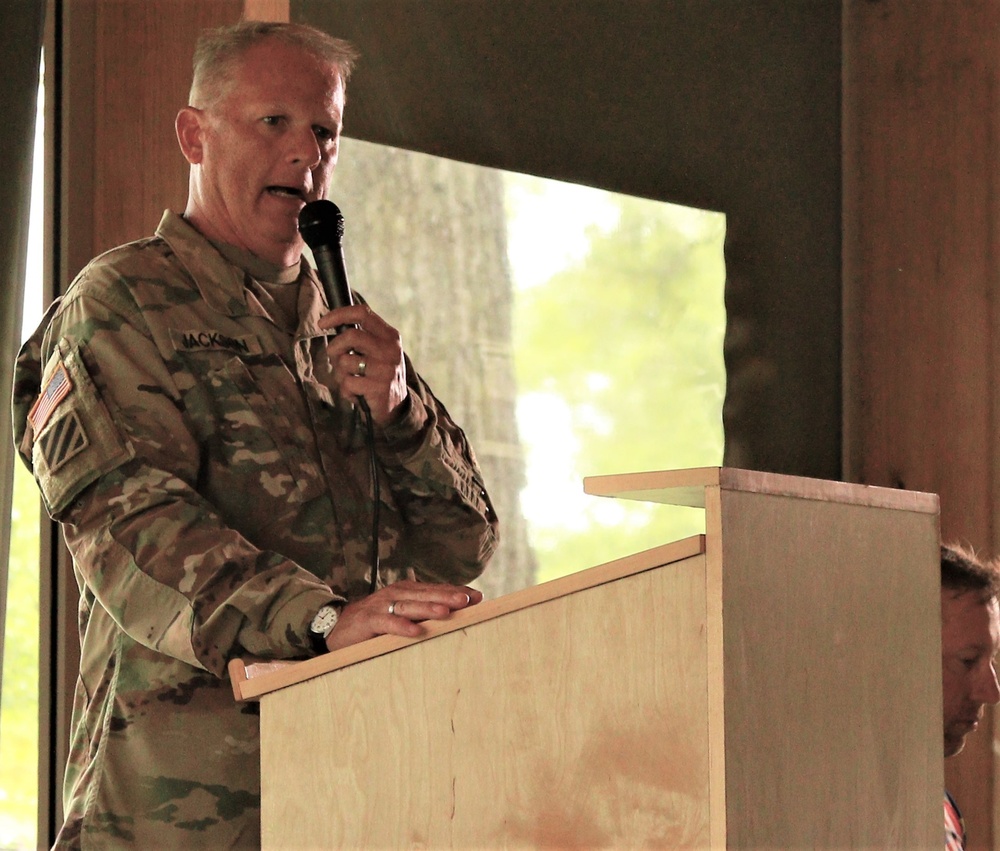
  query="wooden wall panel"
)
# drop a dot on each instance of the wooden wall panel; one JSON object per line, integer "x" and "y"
{"x": 127, "y": 71}
{"x": 921, "y": 164}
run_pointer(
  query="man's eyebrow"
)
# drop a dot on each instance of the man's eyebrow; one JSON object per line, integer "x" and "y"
{"x": 980, "y": 649}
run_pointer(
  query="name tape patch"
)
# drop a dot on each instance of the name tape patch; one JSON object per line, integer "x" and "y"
{"x": 214, "y": 341}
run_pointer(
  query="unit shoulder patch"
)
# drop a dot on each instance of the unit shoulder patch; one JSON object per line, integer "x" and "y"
{"x": 63, "y": 442}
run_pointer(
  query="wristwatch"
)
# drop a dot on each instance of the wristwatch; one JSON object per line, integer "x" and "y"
{"x": 321, "y": 626}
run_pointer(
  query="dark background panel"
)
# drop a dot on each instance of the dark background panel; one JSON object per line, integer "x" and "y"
{"x": 720, "y": 104}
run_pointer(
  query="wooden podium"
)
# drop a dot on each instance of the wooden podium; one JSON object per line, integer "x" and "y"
{"x": 775, "y": 683}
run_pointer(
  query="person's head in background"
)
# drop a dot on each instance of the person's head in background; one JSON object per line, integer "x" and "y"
{"x": 970, "y": 639}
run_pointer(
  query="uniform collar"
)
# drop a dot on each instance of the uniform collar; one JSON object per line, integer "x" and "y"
{"x": 220, "y": 282}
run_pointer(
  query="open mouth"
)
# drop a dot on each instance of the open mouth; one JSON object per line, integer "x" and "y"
{"x": 287, "y": 192}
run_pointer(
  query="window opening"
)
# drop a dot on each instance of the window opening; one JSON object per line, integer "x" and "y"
{"x": 599, "y": 322}
{"x": 19, "y": 723}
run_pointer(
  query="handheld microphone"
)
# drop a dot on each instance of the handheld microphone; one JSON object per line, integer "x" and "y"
{"x": 322, "y": 227}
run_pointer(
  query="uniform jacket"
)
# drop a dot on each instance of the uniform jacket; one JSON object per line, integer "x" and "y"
{"x": 213, "y": 495}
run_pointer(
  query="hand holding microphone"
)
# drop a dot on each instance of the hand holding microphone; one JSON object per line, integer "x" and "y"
{"x": 367, "y": 353}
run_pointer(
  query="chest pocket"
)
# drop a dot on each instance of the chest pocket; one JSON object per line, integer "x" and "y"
{"x": 257, "y": 434}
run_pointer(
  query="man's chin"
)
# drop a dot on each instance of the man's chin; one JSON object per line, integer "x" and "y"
{"x": 953, "y": 746}
{"x": 282, "y": 247}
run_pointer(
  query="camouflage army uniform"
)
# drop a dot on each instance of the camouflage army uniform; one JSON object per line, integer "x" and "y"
{"x": 212, "y": 494}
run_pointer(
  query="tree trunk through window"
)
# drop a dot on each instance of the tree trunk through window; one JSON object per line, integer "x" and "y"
{"x": 426, "y": 243}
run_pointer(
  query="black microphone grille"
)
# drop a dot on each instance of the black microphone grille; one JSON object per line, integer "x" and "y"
{"x": 321, "y": 222}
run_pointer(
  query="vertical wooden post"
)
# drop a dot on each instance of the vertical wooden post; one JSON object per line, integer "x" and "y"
{"x": 265, "y": 10}
{"x": 921, "y": 165}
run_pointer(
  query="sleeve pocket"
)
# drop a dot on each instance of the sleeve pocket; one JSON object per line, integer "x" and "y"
{"x": 76, "y": 441}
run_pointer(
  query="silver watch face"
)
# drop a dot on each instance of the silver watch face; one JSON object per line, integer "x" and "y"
{"x": 325, "y": 620}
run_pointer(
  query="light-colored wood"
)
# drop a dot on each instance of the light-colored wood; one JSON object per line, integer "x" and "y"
{"x": 688, "y": 487}
{"x": 257, "y": 678}
{"x": 575, "y": 722}
{"x": 241, "y": 670}
{"x": 746, "y": 695}
{"x": 832, "y": 636}
{"x": 671, "y": 487}
{"x": 237, "y": 670}
{"x": 715, "y": 669}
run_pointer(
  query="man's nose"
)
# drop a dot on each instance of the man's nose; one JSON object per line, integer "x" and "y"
{"x": 304, "y": 147}
{"x": 988, "y": 690}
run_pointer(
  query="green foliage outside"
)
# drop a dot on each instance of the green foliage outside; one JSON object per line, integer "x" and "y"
{"x": 19, "y": 708}
{"x": 627, "y": 341}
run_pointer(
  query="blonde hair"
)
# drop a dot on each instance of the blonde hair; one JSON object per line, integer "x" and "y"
{"x": 219, "y": 51}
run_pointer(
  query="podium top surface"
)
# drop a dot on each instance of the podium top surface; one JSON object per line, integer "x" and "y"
{"x": 253, "y": 680}
{"x": 687, "y": 487}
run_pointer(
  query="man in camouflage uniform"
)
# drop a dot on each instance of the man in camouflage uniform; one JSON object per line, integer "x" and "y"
{"x": 193, "y": 428}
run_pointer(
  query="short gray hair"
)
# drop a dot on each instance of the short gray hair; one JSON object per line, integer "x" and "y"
{"x": 219, "y": 51}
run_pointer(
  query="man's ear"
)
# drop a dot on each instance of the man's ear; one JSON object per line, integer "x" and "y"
{"x": 188, "y": 125}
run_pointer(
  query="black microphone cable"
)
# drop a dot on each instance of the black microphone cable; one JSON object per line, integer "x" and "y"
{"x": 322, "y": 227}
{"x": 376, "y": 492}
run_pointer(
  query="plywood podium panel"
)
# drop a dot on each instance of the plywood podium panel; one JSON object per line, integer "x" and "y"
{"x": 579, "y": 717}
{"x": 830, "y": 668}
{"x": 775, "y": 683}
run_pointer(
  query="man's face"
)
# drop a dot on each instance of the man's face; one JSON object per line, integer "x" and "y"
{"x": 263, "y": 150}
{"x": 970, "y": 638}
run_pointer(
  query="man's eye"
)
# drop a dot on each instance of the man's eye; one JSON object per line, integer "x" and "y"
{"x": 322, "y": 133}
{"x": 271, "y": 120}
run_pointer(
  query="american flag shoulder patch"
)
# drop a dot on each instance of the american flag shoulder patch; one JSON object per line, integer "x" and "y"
{"x": 66, "y": 439}
{"x": 57, "y": 388}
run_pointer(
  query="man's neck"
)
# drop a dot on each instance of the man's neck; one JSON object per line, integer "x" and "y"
{"x": 256, "y": 266}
